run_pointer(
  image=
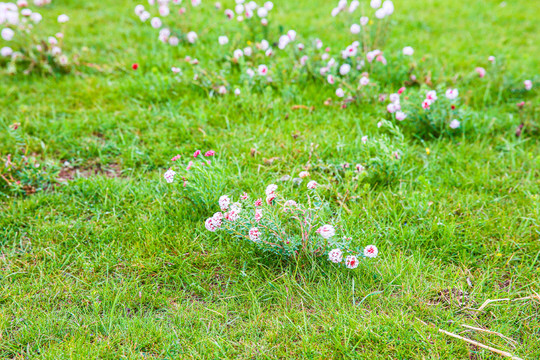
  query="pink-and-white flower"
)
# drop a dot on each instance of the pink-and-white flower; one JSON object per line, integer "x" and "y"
{"x": 303, "y": 174}
{"x": 312, "y": 185}
{"x": 351, "y": 262}
{"x": 364, "y": 139}
{"x": 360, "y": 168}
{"x": 364, "y": 80}
{"x": 340, "y": 92}
{"x": 258, "y": 214}
{"x": 257, "y": 203}
{"x": 480, "y": 71}
{"x": 270, "y": 189}
{"x": 528, "y": 84}
{"x": 263, "y": 70}
{"x": 335, "y": 256}
{"x": 355, "y": 29}
{"x": 400, "y": 115}
{"x": 371, "y": 251}
{"x": 224, "y": 202}
{"x": 254, "y": 234}
{"x": 209, "y": 225}
{"x": 431, "y": 95}
{"x": 270, "y": 198}
{"x": 452, "y": 94}
{"x": 330, "y": 79}
{"x": 426, "y": 104}
{"x": 290, "y": 203}
{"x": 408, "y": 51}
{"x": 169, "y": 175}
{"x": 326, "y": 231}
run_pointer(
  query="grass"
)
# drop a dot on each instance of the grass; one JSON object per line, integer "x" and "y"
{"x": 118, "y": 267}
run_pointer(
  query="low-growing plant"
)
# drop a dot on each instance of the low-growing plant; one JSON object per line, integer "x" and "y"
{"x": 24, "y": 48}
{"x": 287, "y": 227}
{"x": 22, "y": 173}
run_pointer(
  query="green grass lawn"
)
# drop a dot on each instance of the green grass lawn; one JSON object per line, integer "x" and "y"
{"x": 114, "y": 264}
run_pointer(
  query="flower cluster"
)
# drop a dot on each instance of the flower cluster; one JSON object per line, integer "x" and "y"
{"x": 23, "y": 47}
{"x": 287, "y": 227}
{"x": 22, "y": 173}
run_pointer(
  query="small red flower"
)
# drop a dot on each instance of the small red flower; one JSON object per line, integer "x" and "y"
{"x": 135, "y": 66}
{"x": 453, "y": 107}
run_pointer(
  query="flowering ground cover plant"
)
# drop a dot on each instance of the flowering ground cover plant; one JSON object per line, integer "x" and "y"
{"x": 23, "y": 47}
{"x": 287, "y": 227}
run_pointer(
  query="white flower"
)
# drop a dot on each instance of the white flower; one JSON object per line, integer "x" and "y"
{"x": 364, "y": 139}
{"x": 291, "y": 34}
{"x": 334, "y": 12}
{"x": 355, "y": 28}
{"x": 26, "y": 12}
{"x": 360, "y": 168}
{"x": 174, "y": 41}
{"x": 269, "y": 52}
{"x": 195, "y": 2}
{"x": 354, "y": 5}
{"x": 270, "y": 189}
{"x": 56, "y": 50}
{"x": 264, "y": 44}
{"x": 237, "y": 91}
{"x": 254, "y": 234}
{"x": 351, "y": 262}
{"x": 175, "y": 70}
{"x": 229, "y": 14}
{"x": 224, "y": 202}
{"x": 454, "y": 124}
{"x": 528, "y": 84}
{"x": 263, "y": 70}
{"x": 388, "y": 7}
{"x": 340, "y": 92}
{"x": 63, "y": 18}
{"x": 164, "y": 11}
{"x": 262, "y": 12}
{"x": 400, "y": 115}
{"x": 375, "y": 4}
{"x": 364, "y": 81}
{"x": 191, "y": 37}
{"x": 312, "y": 185}
{"x": 408, "y": 51}
{"x": 250, "y": 72}
{"x": 491, "y": 58}
{"x": 268, "y": 5}
{"x": 209, "y": 225}
{"x": 371, "y": 251}
{"x": 222, "y": 90}
{"x": 303, "y": 60}
{"x": 335, "y": 256}
{"x": 303, "y": 174}
{"x": 36, "y": 17}
{"x": 380, "y": 13}
{"x": 139, "y": 9}
{"x": 156, "y": 22}
{"x": 145, "y": 16}
{"x": 239, "y": 8}
{"x": 364, "y": 20}
{"x": 344, "y": 69}
{"x": 394, "y": 98}
{"x": 326, "y": 231}
{"x": 223, "y": 40}
{"x": 452, "y": 93}
{"x": 7, "y": 34}
{"x": 169, "y": 175}
{"x": 248, "y": 51}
